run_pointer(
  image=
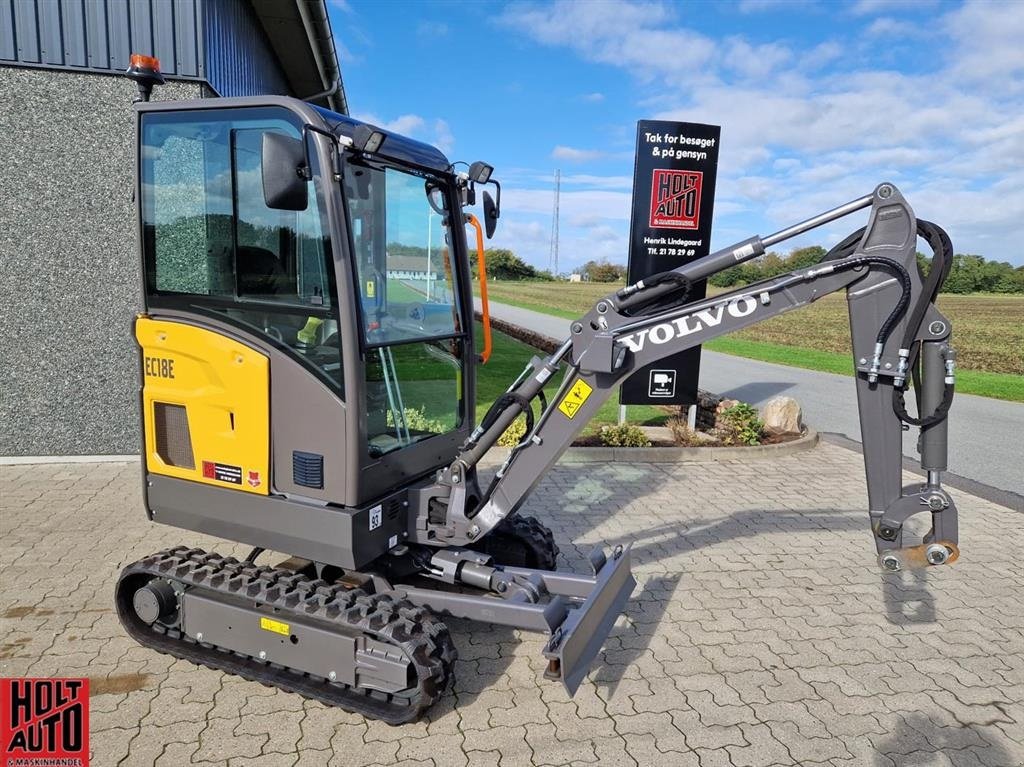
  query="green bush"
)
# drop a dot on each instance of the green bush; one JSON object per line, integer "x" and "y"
{"x": 623, "y": 435}
{"x": 416, "y": 420}
{"x": 514, "y": 433}
{"x": 740, "y": 424}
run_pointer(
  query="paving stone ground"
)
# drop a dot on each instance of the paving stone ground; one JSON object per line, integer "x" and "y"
{"x": 761, "y": 633}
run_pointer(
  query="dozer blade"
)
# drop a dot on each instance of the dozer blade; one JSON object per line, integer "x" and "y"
{"x": 577, "y": 641}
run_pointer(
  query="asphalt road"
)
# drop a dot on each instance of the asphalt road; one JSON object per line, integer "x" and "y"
{"x": 986, "y": 436}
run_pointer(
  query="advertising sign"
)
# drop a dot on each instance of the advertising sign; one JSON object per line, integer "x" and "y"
{"x": 673, "y": 203}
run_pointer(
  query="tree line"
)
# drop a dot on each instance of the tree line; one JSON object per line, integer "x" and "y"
{"x": 969, "y": 273}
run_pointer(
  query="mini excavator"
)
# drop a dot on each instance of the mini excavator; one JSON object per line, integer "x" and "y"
{"x": 307, "y": 365}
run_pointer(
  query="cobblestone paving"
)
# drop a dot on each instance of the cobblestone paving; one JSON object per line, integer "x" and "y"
{"x": 761, "y": 633}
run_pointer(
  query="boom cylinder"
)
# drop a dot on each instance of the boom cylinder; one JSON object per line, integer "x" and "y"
{"x": 657, "y": 286}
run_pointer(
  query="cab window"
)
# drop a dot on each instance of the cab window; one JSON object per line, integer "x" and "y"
{"x": 409, "y": 303}
{"x": 212, "y": 245}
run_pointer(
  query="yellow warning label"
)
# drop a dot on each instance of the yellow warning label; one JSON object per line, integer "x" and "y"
{"x": 269, "y": 624}
{"x": 573, "y": 401}
{"x": 371, "y": 288}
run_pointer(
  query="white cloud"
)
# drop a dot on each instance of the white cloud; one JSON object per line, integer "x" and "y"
{"x": 346, "y": 55}
{"x": 592, "y": 98}
{"x": 593, "y": 224}
{"x": 443, "y": 137}
{"x": 435, "y": 132}
{"x": 406, "y": 125}
{"x": 597, "y": 182}
{"x": 886, "y": 26}
{"x": 761, "y": 6}
{"x": 803, "y": 132}
{"x": 571, "y": 154}
{"x": 633, "y": 35}
{"x": 867, "y": 7}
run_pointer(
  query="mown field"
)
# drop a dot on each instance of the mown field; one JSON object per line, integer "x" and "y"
{"x": 988, "y": 332}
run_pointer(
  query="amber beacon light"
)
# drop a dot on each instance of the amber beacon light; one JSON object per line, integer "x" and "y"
{"x": 145, "y": 71}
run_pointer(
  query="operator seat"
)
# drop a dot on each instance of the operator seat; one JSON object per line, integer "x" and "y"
{"x": 260, "y": 273}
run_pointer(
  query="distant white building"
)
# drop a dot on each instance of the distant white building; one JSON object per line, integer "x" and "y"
{"x": 412, "y": 268}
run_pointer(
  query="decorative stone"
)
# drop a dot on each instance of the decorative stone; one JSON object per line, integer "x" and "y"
{"x": 782, "y": 415}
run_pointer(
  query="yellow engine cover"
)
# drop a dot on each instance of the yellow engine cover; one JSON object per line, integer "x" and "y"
{"x": 205, "y": 405}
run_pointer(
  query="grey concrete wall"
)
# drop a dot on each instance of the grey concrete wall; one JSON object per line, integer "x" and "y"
{"x": 69, "y": 274}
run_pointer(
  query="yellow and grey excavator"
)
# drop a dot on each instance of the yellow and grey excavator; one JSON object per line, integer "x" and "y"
{"x": 308, "y": 369}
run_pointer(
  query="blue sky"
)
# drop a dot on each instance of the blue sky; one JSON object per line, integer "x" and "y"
{"x": 818, "y": 101}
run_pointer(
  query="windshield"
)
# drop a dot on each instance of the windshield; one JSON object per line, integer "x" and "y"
{"x": 399, "y": 222}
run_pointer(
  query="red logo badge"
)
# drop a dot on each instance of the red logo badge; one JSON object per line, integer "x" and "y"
{"x": 254, "y": 478}
{"x": 675, "y": 199}
{"x": 44, "y": 721}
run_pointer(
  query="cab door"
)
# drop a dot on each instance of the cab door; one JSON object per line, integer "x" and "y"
{"x": 242, "y": 301}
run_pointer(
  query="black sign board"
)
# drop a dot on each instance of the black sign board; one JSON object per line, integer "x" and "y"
{"x": 673, "y": 202}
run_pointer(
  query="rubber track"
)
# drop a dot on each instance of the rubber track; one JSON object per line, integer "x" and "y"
{"x": 415, "y": 630}
{"x": 536, "y": 540}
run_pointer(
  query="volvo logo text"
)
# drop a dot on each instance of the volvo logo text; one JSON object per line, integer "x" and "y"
{"x": 690, "y": 323}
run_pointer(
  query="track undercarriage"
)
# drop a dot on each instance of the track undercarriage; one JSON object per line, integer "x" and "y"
{"x": 336, "y": 640}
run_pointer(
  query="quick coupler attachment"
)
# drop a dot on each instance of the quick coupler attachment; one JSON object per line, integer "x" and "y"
{"x": 938, "y": 547}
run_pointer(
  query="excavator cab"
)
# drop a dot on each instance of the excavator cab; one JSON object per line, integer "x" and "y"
{"x": 314, "y": 298}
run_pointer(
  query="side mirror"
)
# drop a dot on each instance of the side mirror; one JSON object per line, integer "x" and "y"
{"x": 491, "y": 214}
{"x": 284, "y": 172}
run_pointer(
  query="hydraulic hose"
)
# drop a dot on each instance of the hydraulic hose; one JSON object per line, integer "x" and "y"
{"x": 657, "y": 303}
{"x": 897, "y": 270}
{"x": 942, "y": 262}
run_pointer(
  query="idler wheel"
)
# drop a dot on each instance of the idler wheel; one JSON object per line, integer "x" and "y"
{"x": 156, "y": 601}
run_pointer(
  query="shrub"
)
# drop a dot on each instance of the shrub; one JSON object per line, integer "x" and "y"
{"x": 514, "y": 433}
{"x": 682, "y": 434}
{"x": 417, "y": 420}
{"x": 740, "y": 424}
{"x": 623, "y": 435}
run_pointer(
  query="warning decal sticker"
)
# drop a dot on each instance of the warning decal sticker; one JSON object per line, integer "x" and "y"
{"x": 573, "y": 401}
{"x": 269, "y": 624}
{"x": 223, "y": 472}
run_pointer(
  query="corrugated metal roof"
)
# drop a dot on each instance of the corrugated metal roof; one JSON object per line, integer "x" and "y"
{"x": 239, "y": 70}
{"x": 239, "y": 47}
{"x": 99, "y": 35}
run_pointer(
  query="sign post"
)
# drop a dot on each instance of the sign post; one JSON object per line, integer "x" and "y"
{"x": 673, "y": 203}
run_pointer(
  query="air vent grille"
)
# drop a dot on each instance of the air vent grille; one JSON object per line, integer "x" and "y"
{"x": 308, "y": 469}
{"x": 173, "y": 440}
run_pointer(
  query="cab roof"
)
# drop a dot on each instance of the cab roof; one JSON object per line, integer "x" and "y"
{"x": 395, "y": 147}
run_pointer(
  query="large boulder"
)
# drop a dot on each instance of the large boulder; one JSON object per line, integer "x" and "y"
{"x": 782, "y": 416}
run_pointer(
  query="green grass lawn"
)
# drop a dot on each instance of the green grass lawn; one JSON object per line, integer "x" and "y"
{"x": 509, "y": 357}
{"x": 999, "y": 385}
